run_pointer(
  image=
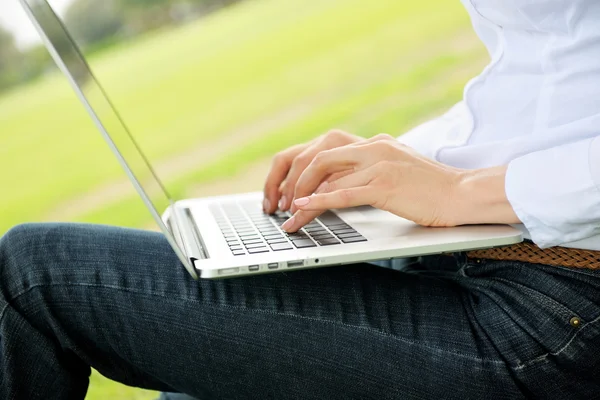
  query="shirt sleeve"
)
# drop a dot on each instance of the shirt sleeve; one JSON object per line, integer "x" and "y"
{"x": 556, "y": 192}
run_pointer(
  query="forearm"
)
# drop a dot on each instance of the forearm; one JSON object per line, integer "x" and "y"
{"x": 480, "y": 198}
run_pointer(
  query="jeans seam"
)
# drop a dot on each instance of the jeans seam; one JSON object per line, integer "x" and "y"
{"x": 558, "y": 352}
{"x": 3, "y": 311}
{"x": 260, "y": 311}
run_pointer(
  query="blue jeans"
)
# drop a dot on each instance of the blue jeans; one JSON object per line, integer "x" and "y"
{"x": 75, "y": 296}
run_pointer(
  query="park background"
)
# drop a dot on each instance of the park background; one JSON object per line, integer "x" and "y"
{"x": 212, "y": 89}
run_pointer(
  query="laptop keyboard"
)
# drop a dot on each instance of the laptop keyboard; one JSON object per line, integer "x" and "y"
{"x": 248, "y": 230}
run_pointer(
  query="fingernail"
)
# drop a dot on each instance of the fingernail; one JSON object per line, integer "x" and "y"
{"x": 302, "y": 202}
{"x": 288, "y": 224}
{"x": 283, "y": 203}
{"x": 266, "y": 205}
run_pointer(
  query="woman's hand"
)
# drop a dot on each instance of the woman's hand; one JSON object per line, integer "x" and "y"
{"x": 390, "y": 176}
{"x": 290, "y": 164}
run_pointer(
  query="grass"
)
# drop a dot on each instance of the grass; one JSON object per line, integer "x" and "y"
{"x": 367, "y": 67}
{"x": 104, "y": 389}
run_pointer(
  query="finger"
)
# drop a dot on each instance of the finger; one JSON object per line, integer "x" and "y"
{"x": 349, "y": 158}
{"x": 299, "y": 164}
{"x": 300, "y": 219}
{"x": 279, "y": 170}
{"x": 311, "y": 207}
{"x": 343, "y": 198}
{"x": 306, "y": 214}
{"x": 323, "y": 185}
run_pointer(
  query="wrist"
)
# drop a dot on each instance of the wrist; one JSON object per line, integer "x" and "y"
{"x": 480, "y": 198}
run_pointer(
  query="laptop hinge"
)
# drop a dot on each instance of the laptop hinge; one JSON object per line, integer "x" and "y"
{"x": 192, "y": 237}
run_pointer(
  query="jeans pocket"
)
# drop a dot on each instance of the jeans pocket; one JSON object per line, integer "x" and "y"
{"x": 528, "y": 311}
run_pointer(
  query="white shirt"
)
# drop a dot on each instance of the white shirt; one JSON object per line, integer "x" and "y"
{"x": 535, "y": 108}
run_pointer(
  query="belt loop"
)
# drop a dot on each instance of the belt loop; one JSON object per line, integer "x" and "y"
{"x": 461, "y": 258}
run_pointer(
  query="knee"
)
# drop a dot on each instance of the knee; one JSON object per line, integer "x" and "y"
{"x": 22, "y": 240}
{"x": 24, "y": 250}
{"x": 17, "y": 243}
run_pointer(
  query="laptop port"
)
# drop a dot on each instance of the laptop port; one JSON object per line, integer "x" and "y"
{"x": 273, "y": 265}
{"x": 229, "y": 271}
{"x": 253, "y": 268}
{"x": 295, "y": 264}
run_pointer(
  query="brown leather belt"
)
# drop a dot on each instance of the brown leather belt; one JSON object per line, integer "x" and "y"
{"x": 530, "y": 253}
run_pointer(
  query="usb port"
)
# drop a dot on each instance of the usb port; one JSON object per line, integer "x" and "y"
{"x": 294, "y": 264}
{"x": 253, "y": 268}
{"x": 273, "y": 265}
{"x": 229, "y": 271}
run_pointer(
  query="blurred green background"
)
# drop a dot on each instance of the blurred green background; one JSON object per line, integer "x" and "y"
{"x": 212, "y": 89}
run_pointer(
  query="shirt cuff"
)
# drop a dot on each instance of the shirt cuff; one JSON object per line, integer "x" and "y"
{"x": 556, "y": 192}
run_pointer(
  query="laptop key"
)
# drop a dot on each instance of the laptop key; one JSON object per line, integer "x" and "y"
{"x": 341, "y": 225}
{"x": 249, "y": 236}
{"x": 275, "y": 241}
{"x": 323, "y": 236}
{"x": 342, "y": 231}
{"x": 265, "y": 227}
{"x": 313, "y": 225}
{"x": 355, "y": 239}
{"x": 297, "y": 235}
{"x": 273, "y": 236}
{"x": 317, "y": 231}
{"x": 328, "y": 242}
{"x": 254, "y": 245}
{"x": 267, "y": 230}
{"x": 243, "y": 232}
{"x": 348, "y": 235}
{"x": 239, "y": 253}
{"x": 281, "y": 246}
{"x": 329, "y": 218}
{"x": 258, "y": 250}
{"x": 242, "y": 227}
{"x": 304, "y": 243}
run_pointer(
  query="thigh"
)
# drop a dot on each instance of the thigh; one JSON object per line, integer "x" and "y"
{"x": 123, "y": 304}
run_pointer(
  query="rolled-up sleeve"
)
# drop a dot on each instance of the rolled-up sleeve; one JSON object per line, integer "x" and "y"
{"x": 556, "y": 192}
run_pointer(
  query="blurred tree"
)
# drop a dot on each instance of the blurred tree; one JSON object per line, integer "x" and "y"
{"x": 95, "y": 24}
{"x": 145, "y": 15}
{"x": 60, "y": 41}
{"x": 35, "y": 62}
{"x": 93, "y": 21}
{"x": 9, "y": 58}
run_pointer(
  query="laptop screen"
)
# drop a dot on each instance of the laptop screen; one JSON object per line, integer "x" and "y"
{"x": 72, "y": 62}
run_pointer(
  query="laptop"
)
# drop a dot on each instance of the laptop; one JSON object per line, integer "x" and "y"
{"x": 230, "y": 236}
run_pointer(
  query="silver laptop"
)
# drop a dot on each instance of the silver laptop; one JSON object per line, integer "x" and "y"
{"x": 229, "y": 236}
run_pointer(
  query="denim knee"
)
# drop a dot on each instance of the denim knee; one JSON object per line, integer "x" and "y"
{"x": 22, "y": 252}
